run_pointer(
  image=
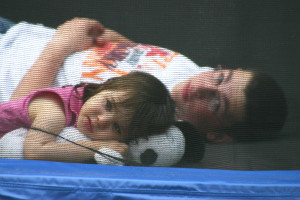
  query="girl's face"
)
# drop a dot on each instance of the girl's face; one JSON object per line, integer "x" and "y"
{"x": 100, "y": 118}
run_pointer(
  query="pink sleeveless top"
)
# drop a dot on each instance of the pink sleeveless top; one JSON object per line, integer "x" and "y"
{"x": 14, "y": 114}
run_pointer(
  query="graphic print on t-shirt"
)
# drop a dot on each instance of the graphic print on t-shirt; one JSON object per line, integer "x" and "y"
{"x": 117, "y": 59}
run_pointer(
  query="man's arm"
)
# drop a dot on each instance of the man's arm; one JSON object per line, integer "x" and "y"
{"x": 72, "y": 36}
{"x": 75, "y": 35}
{"x": 42, "y": 73}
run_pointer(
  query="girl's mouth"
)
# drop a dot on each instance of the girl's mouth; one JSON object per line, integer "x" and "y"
{"x": 90, "y": 125}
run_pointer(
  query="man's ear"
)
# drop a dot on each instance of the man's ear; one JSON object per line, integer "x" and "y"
{"x": 218, "y": 137}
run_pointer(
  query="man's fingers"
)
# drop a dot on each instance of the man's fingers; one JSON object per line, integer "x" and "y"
{"x": 103, "y": 39}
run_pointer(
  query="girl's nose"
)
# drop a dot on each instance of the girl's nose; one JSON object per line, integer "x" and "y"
{"x": 104, "y": 121}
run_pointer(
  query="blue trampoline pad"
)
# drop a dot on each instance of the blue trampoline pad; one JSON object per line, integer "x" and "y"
{"x": 26, "y": 179}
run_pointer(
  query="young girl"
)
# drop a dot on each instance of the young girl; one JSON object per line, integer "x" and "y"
{"x": 111, "y": 114}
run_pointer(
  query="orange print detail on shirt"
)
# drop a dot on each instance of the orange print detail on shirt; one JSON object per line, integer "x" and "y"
{"x": 105, "y": 59}
{"x": 165, "y": 56}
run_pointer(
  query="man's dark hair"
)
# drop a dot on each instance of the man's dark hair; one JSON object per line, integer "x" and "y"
{"x": 266, "y": 110}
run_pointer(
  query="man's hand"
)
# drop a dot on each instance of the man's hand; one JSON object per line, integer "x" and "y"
{"x": 111, "y": 36}
{"x": 77, "y": 34}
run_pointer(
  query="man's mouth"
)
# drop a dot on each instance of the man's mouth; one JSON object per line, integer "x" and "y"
{"x": 186, "y": 90}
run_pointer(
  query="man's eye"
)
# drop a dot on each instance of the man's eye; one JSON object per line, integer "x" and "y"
{"x": 220, "y": 79}
{"x": 215, "y": 104}
{"x": 117, "y": 128}
{"x": 108, "y": 105}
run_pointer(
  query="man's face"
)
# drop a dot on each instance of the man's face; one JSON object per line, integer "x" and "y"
{"x": 213, "y": 99}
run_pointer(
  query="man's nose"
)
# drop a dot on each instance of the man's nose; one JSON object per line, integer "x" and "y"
{"x": 206, "y": 91}
{"x": 104, "y": 121}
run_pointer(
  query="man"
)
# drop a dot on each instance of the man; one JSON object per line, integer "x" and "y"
{"x": 225, "y": 104}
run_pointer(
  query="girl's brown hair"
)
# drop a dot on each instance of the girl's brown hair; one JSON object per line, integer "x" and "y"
{"x": 153, "y": 110}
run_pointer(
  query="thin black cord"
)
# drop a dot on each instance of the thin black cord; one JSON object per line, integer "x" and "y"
{"x": 126, "y": 162}
{"x": 93, "y": 150}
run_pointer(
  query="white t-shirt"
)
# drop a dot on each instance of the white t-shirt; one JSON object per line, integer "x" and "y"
{"x": 24, "y": 42}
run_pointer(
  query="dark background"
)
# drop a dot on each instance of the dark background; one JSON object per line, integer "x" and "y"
{"x": 250, "y": 34}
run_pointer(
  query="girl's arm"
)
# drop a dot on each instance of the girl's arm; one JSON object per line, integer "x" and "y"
{"x": 46, "y": 112}
{"x": 72, "y": 36}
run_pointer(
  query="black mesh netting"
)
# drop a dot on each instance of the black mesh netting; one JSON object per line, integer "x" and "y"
{"x": 260, "y": 35}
